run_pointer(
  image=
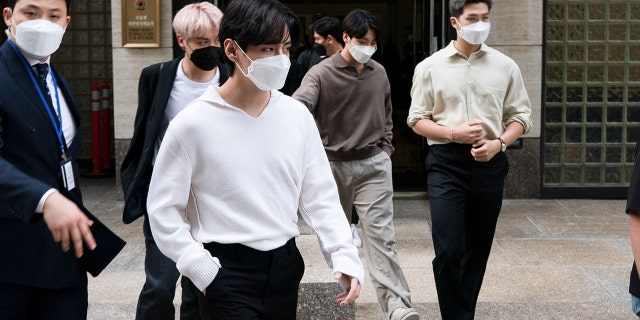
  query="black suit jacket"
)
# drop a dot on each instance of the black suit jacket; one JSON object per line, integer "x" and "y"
{"x": 29, "y": 166}
{"x": 154, "y": 90}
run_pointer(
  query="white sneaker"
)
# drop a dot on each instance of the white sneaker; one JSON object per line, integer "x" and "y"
{"x": 404, "y": 314}
{"x": 356, "y": 238}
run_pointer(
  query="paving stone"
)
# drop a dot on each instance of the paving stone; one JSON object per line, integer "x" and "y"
{"x": 551, "y": 259}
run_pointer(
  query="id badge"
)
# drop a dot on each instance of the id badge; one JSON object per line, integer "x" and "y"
{"x": 67, "y": 174}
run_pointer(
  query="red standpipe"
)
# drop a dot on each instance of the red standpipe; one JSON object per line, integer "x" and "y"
{"x": 106, "y": 126}
{"x": 95, "y": 126}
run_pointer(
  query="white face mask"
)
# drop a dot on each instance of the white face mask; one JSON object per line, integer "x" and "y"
{"x": 38, "y": 38}
{"x": 268, "y": 73}
{"x": 475, "y": 33}
{"x": 361, "y": 54}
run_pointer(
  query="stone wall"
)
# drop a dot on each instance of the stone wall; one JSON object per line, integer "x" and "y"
{"x": 517, "y": 33}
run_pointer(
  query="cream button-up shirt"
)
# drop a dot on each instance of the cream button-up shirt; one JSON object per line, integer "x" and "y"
{"x": 450, "y": 90}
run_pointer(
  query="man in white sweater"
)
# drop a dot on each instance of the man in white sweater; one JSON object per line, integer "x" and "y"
{"x": 232, "y": 171}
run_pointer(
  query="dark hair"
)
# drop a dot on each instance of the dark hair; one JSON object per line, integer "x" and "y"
{"x": 12, "y": 4}
{"x": 251, "y": 22}
{"x": 358, "y": 22}
{"x": 456, "y": 7}
{"x": 328, "y": 26}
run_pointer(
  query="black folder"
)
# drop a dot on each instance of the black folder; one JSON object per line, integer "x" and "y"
{"x": 108, "y": 245}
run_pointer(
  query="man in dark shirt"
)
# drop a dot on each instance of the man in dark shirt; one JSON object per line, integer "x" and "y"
{"x": 633, "y": 210}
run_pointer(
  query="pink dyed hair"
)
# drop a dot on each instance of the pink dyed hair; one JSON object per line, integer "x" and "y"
{"x": 194, "y": 20}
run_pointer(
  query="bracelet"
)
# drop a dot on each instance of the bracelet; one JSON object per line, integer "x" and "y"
{"x": 451, "y": 132}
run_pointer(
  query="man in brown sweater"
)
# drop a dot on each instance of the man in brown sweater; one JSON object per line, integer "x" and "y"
{"x": 349, "y": 97}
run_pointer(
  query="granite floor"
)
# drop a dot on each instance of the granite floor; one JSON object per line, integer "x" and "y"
{"x": 551, "y": 259}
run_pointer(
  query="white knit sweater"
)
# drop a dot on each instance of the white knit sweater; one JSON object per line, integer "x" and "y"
{"x": 224, "y": 176}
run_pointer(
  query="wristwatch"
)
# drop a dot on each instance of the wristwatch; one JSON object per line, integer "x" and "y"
{"x": 503, "y": 145}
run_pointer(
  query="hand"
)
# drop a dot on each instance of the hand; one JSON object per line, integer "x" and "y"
{"x": 67, "y": 223}
{"x": 351, "y": 287}
{"x": 468, "y": 133}
{"x": 485, "y": 150}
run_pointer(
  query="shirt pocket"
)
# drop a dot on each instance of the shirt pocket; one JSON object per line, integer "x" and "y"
{"x": 491, "y": 100}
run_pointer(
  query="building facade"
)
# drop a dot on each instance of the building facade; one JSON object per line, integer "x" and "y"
{"x": 580, "y": 60}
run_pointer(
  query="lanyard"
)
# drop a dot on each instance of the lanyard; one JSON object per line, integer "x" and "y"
{"x": 57, "y": 125}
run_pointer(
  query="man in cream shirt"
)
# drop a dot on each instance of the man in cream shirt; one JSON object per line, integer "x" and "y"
{"x": 470, "y": 102}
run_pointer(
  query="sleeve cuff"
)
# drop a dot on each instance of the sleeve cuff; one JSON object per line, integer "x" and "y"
{"x": 351, "y": 268}
{"x": 201, "y": 268}
{"x": 44, "y": 197}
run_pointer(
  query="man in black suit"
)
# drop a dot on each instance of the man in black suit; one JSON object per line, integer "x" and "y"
{"x": 163, "y": 91}
{"x": 40, "y": 202}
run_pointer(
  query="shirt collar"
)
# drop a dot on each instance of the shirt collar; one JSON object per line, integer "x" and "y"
{"x": 33, "y": 62}
{"x": 451, "y": 50}
{"x": 339, "y": 61}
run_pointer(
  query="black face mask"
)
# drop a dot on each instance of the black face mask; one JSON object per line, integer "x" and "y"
{"x": 206, "y": 58}
{"x": 319, "y": 49}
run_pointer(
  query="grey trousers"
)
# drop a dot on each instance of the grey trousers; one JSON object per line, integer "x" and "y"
{"x": 366, "y": 185}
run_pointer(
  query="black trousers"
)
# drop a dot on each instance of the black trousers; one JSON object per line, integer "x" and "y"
{"x": 465, "y": 199}
{"x": 19, "y": 302}
{"x": 252, "y": 284}
{"x": 155, "y": 301}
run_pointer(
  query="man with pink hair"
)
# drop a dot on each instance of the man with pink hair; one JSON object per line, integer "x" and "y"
{"x": 164, "y": 90}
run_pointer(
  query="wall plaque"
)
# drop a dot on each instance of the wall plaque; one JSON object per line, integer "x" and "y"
{"x": 140, "y": 23}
